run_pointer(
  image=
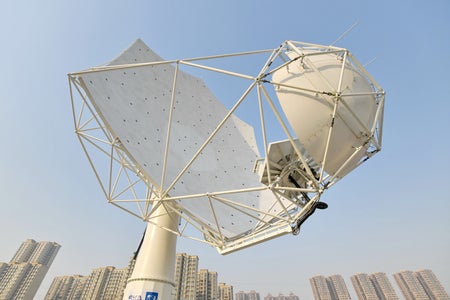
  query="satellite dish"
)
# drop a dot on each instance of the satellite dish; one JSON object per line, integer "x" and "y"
{"x": 165, "y": 149}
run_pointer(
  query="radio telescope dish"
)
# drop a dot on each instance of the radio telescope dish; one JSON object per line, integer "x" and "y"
{"x": 231, "y": 174}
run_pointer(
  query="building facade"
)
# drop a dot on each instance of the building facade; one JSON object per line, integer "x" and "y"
{"x": 60, "y": 287}
{"x": 225, "y": 291}
{"x": 410, "y": 286}
{"x": 320, "y": 288}
{"x": 76, "y": 290}
{"x": 291, "y": 296}
{"x": 96, "y": 283}
{"x": 207, "y": 285}
{"x": 432, "y": 285}
{"x": 21, "y": 278}
{"x": 329, "y": 288}
{"x": 280, "y": 296}
{"x": 419, "y": 285}
{"x": 338, "y": 287}
{"x": 241, "y": 295}
{"x": 186, "y": 269}
{"x": 253, "y": 295}
{"x": 383, "y": 286}
{"x": 364, "y": 287}
{"x": 116, "y": 284}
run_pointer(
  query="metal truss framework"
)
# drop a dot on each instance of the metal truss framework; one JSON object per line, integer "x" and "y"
{"x": 125, "y": 184}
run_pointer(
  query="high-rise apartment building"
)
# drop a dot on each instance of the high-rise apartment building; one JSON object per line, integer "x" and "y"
{"x": 241, "y": 295}
{"x": 338, "y": 287}
{"x": 102, "y": 283}
{"x": 329, "y": 288}
{"x": 269, "y": 297}
{"x": 60, "y": 287}
{"x": 76, "y": 288}
{"x": 364, "y": 287}
{"x": 21, "y": 278}
{"x": 432, "y": 285}
{"x": 225, "y": 291}
{"x": 3, "y": 267}
{"x": 105, "y": 283}
{"x": 410, "y": 286}
{"x": 291, "y": 296}
{"x": 96, "y": 283}
{"x": 321, "y": 290}
{"x": 383, "y": 286}
{"x": 186, "y": 269}
{"x": 116, "y": 284}
{"x": 422, "y": 284}
{"x": 207, "y": 286}
{"x": 253, "y": 295}
{"x": 280, "y": 296}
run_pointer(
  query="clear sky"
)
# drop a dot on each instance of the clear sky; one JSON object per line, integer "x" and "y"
{"x": 390, "y": 214}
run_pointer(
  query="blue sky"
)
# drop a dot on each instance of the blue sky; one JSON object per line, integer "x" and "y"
{"x": 390, "y": 214}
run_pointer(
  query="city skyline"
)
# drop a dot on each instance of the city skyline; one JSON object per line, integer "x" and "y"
{"x": 422, "y": 284}
{"x": 109, "y": 281}
{"x": 192, "y": 283}
{"x": 19, "y": 279}
{"x": 23, "y": 275}
{"x": 379, "y": 217}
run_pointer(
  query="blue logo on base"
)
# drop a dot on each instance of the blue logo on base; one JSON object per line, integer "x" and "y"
{"x": 151, "y": 296}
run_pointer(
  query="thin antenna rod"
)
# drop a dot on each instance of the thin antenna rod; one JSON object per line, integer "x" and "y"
{"x": 371, "y": 61}
{"x": 345, "y": 33}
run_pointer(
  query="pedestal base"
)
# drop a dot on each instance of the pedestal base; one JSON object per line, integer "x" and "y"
{"x": 153, "y": 274}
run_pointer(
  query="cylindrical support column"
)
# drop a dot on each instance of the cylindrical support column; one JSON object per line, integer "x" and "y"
{"x": 153, "y": 273}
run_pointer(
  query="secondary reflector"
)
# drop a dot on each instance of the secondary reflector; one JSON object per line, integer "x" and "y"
{"x": 330, "y": 105}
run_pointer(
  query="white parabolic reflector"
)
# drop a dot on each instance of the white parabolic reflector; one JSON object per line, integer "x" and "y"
{"x": 200, "y": 161}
